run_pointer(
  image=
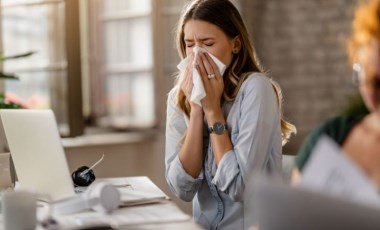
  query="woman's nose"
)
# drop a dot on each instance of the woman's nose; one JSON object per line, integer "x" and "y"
{"x": 194, "y": 48}
{"x": 199, "y": 44}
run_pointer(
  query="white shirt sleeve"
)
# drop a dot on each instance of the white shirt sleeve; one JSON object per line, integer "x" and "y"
{"x": 180, "y": 182}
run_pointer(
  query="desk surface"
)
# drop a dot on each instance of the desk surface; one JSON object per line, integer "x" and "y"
{"x": 158, "y": 214}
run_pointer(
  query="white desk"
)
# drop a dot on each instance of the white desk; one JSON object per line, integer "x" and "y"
{"x": 156, "y": 214}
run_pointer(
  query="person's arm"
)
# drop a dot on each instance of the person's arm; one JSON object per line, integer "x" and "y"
{"x": 191, "y": 155}
{"x": 181, "y": 183}
{"x": 221, "y": 143}
{"x": 258, "y": 126}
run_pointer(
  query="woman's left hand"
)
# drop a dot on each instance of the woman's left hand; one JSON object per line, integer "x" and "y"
{"x": 212, "y": 82}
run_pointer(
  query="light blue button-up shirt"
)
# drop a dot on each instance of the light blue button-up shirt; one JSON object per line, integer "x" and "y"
{"x": 253, "y": 122}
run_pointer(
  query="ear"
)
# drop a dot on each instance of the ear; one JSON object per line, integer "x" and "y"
{"x": 236, "y": 44}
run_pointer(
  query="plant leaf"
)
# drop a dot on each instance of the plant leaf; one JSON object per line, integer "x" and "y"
{"x": 16, "y": 56}
{"x": 8, "y": 76}
{"x": 4, "y": 105}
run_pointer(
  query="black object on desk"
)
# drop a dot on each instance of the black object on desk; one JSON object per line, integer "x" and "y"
{"x": 84, "y": 175}
{"x": 83, "y": 179}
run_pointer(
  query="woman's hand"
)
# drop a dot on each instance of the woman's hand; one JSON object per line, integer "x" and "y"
{"x": 186, "y": 83}
{"x": 186, "y": 79}
{"x": 212, "y": 82}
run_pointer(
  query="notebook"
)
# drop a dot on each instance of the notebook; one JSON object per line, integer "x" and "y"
{"x": 136, "y": 190}
{"x": 37, "y": 152}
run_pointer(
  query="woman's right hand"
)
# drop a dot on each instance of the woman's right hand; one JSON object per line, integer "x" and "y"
{"x": 186, "y": 82}
{"x": 186, "y": 79}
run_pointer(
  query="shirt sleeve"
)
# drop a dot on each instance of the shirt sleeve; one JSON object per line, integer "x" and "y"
{"x": 259, "y": 122}
{"x": 180, "y": 182}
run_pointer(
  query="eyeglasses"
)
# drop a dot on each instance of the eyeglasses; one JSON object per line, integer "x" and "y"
{"x": 359, "y": 77}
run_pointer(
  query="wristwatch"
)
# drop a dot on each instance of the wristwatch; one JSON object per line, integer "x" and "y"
{"x": 217, "y": 128}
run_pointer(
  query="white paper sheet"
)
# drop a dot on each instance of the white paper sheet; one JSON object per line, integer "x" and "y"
{"x": 330, "y": 171}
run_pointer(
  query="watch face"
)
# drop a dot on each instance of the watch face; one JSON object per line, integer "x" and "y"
{"x": 218, "y": 128}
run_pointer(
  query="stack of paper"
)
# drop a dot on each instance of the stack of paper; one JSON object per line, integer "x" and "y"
{"x": 137, "y": 190}
{"x": 131, "y": 197}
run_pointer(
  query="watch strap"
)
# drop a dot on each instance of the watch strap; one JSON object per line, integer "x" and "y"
{"x": 210, "y": 129}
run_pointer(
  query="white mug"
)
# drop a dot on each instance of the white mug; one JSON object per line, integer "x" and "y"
{"x": 19, "y": 210}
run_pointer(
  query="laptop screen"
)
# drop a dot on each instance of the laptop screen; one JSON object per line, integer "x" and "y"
{"x": 37, "y": 152}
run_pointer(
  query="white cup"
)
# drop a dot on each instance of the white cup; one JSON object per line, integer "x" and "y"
{"x": 19, "y": 210}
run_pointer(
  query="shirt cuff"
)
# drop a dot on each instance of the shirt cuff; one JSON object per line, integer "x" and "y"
{"x": 226, "y": 172}
{"x": 183, "y": 179}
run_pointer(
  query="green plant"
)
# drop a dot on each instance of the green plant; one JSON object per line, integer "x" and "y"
{"x": 4, "y": 104}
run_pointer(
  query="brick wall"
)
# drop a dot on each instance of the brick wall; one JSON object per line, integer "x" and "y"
{"x": 302, "y": 44}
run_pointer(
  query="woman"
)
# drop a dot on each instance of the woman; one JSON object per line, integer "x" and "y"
{"x": 212, "y": 146}
{"x": 359, "y": 136}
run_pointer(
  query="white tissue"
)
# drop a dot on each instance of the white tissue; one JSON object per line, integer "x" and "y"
{"x": 198, "y": 92}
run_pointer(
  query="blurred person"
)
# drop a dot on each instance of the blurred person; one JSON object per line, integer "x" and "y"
{"x": 358, "y": 135}
{"x": 212, "y": 146}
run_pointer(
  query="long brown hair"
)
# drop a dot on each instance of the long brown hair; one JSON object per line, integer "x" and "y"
{"x": 223, "y": 14}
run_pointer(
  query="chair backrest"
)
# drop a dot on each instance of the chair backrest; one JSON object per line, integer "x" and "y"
{"x": 287, "y": 167}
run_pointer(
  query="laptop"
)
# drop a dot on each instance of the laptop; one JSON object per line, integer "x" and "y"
{"x": 275, "y": 206}
{"x": 37, "y": 153}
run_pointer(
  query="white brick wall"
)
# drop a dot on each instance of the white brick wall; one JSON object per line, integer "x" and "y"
{"x": 302, "y": 44}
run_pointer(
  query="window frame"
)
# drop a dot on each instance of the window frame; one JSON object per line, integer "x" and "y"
{"x": 162, "y": 12}
{"x": 72, "y": 66}
{"x": 97, "y": 68}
